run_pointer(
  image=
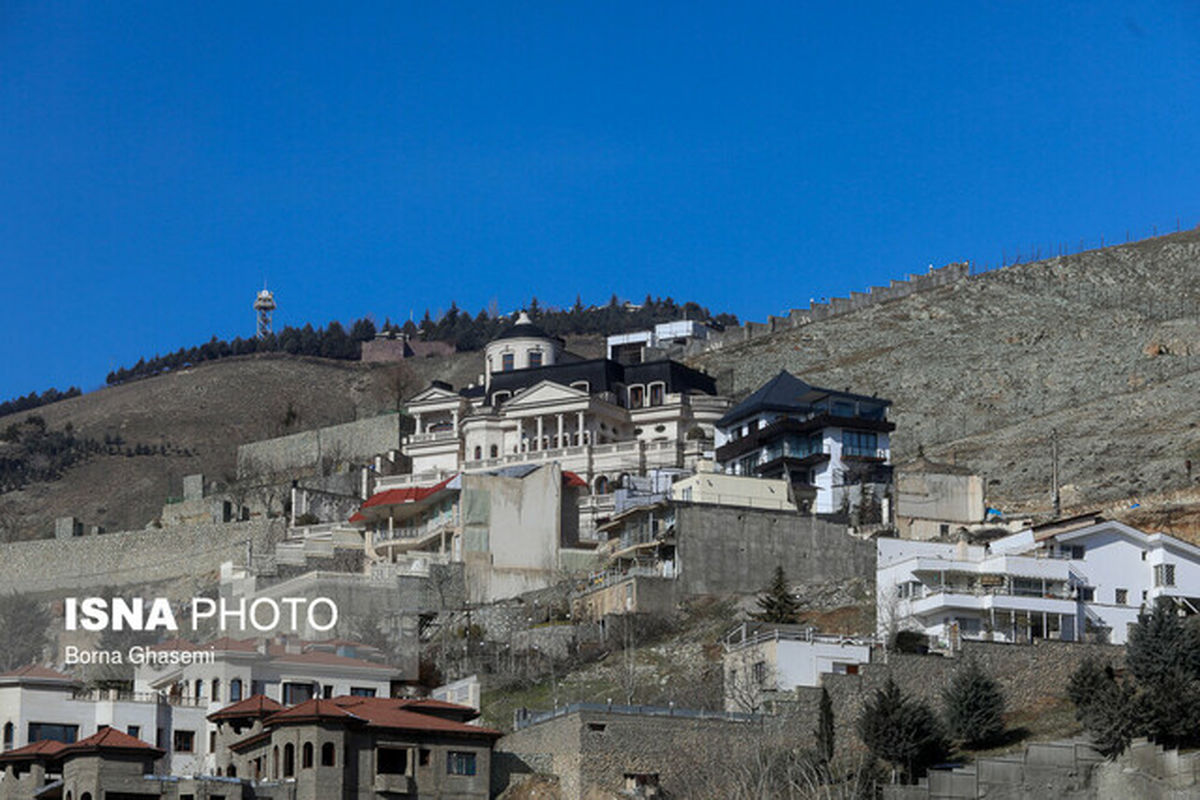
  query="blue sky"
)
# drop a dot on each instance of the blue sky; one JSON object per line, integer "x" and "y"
{"x": 158, "y": 161}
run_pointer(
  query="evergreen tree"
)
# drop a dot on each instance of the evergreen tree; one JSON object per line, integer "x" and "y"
{"x": 777, "y": 603}
{"x": 901, "y": 731}
{"x": 974, "y": 706}
{"x": 1160, "y": 645}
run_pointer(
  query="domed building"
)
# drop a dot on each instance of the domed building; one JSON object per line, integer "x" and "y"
{"x": 598, "y": 418}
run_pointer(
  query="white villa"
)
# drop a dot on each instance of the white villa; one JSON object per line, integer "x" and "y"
{"x": 537, "y": 403}
{"x": 1076, "y": 580}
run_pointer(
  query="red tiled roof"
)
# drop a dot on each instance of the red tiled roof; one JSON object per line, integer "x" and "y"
{"x": 45, "y": 748}
{"x": 411, "y": 494}
{"x": 110, "y": 739}
{"x": 572, "y": 479}
{"x": 379, "y": 712}
{"x": 255, "y": 706}
{"x": 37, "y": 672}
{"x": 356, "y": 517}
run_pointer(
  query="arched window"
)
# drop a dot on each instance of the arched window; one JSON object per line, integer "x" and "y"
{"x": 494, "y": 451}
{"x": 8, "y": 736}
{"x": 601, "y": 485}
{"x": 216, "y": 690}
{"x": 199, "y": 689}
{"x": 289, "y": 760}
{"x": 232, "y": 771}
{"x": 275, "y": 762}
{"x": 235, "y": 690}
{"x": 478, "y": 452}
{"x": 306, "y": 756}
{"x": 327, "y": 754}
{"x": 85, "y": 796}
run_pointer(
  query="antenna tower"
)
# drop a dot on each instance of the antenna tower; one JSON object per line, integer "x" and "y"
{"x": 264, "y": 304}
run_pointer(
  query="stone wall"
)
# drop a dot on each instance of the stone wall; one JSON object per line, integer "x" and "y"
{"x": 724, "y": 550}
{"x": 51, "y": 566}
{"x": 597, "y": 749}
{"x": 1032, "y": 677}
{"x": 942, "y": 276}
{"x": 305, "y": 452}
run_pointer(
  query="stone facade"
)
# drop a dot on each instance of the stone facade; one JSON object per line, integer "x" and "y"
{"x": 304, "y": 452}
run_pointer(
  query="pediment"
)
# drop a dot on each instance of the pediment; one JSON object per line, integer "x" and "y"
{"x": 434, "y": 393}
{"x": 546, "y": 392}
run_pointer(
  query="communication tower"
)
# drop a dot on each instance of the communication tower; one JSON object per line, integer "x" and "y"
{"x": 264, "y": 304}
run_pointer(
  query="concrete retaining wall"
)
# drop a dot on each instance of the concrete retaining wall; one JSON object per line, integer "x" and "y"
{"x": 356, "y": 441}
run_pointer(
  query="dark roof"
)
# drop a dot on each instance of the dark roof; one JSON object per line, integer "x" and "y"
{"x": 110, "y": 739}
{"x": 786, "y": 392}
{"x": 603, "y": 375}
{"x": 522, "y": 329}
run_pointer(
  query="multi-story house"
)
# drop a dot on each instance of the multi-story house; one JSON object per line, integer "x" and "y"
{"x": 536, "y": 402}
{"x": 833, "y": 447}
{"x": 1081, "y": 579}
{"x": 168, "y": 704}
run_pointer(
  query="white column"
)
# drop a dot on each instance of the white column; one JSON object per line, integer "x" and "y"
{"x": 579, "y": 426}
{"x": 520, "y": 435}
{"x": 560, "y": 442}
{"x": 454, "y": 419}
{"x": 539, "y": 432}
{"x": 417, "y": 417}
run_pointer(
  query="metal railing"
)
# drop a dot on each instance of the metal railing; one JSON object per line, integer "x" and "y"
{"x": 523, "y": 718}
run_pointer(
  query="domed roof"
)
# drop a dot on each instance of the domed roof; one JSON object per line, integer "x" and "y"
{"x": 523, "y": 328}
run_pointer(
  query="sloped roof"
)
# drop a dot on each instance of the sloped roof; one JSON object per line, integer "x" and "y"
{"x": 523, "y": 328}
{"x": 785, "y": 392}
{"x": 255, "y": 706}
{"x": 110, "y": 739}
{"x": 36, "y": 672}
{"x": 323, "y": 658}
{"x": 385, "y": 713}
{"x": 43, "y": 749}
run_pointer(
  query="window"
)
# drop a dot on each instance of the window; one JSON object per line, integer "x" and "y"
{"x": 235, "y": 690}
{"x": 1027, "y": 587}
{"x": 1121, "y": 597}
{"x": 598, "y": 727}
{"x": 423, "y": 758}
{"x": 361, "y": 691}
{"x": 8, "y": 736}
{"x": 1087, "y": 594}
{"x": 1075, "y": 552}
{"x": 391, "y": 761}
{"x": 493, "y": 451}
{"x": 506, "y": 362}
{"x": 458, "y": 763}
{"x": 67, "y": 734}
{"x": 1164, "y": 574}
{"x": 760, "y": 672}
{"x": 327, "y": 691}
{"x": 582, "y": 386}
{"x": 216, "y": 690}
{"x": 199, "y": 689}
{"x": 327, "y": 754}
{"x": 289, "y": 760}
{"x": 212, "y": 741}
{"x": 843, "y": 408}
{"x": 637, "y": 395}
{"x": 478, "y": 452}
{"x": 535, "y": 358}
{"x": 306, "y": 756}
{"x": 860, "y": 443}
{"x": 500, "y": 397}
{"x": 183, "y": 741}
{"x": 296, "y": 693}
{"x": 657, "y": 391}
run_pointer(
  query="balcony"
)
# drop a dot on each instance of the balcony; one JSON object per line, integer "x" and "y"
{"x": 937, "y": 600}
{"x": 432, "y": 527}
{"x": 396, "y": 784}
{"x": 431, "y": 438}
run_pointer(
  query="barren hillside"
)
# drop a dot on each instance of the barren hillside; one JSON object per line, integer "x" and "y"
{"x": 201, "y": 415}
{"x": 1102, "y": 347}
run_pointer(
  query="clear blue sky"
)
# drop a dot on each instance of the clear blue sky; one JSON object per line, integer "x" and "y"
{"x": 159, "y": 160}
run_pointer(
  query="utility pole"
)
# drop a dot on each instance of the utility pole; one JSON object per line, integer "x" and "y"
{"x": 1054, "y": 472}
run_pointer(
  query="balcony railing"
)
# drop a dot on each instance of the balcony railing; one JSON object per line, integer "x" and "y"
{"x": 434, "y": 525}
{"x": 435, "y": 436}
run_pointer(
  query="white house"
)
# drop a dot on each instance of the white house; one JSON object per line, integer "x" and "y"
{"x": 536, "y": 403}
{"x": 1075, "y": 580}
{"x": 764, "y": 660}
{"x": 169, "y": 704}
{"x": 833, "y": 447}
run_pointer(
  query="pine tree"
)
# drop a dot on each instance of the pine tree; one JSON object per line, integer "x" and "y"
{"x": 901, "y": 731}
{"x": 776, "y": 603}
{"x": 974, "y": 706}
{"x": 1161, "y": 645}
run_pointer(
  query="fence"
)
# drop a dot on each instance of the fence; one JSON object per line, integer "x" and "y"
{"x": 523, "y": 718}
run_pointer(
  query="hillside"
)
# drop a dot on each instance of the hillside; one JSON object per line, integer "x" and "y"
{"x": 201, "y": 415}
{"x": 1102, "y": 347}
